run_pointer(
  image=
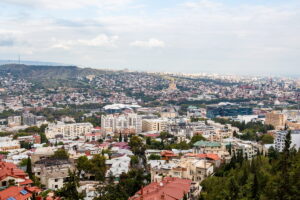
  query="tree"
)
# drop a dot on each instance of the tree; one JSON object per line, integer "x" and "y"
{"x": 120, "y": 137}
{"x": 98, "y": 167}
{"x": 61, "y": 154}
{"x": 154, "y": 157}
{"x": 137, "y": 146}
{"x": 284, "y": 165}
{"x": 29, "y": 168}
{"x": 197, "y": 138}
{"x": 125, "y": 138}
{"x": 267, "y": 139}
{"x": 69, "y": 190}
{"x": 83, "y": 164}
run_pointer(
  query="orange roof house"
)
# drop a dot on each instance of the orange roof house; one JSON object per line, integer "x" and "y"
{"x": 9, "y": 171}
{"x": 169, "y": 189}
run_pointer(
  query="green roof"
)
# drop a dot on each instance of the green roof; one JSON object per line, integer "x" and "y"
{"x": 203, "y": 143}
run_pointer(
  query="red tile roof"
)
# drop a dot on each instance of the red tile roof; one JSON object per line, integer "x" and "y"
{"x": 26, "y": 182}
{"x": 15, "y": 192}
{"x": 167, "y": 153}
{"x": 169, "y": 189}
{"x": 211, "y": 156}
{"x": 10, "y": 169}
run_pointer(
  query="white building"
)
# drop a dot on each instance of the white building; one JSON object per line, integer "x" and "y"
{"x": 131, "y": 123}
{"x": 280, "y": 140}
{"x": 68, "y": 130}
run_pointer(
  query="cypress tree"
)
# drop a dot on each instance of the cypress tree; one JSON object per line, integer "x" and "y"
{"x": 29, "y": 168}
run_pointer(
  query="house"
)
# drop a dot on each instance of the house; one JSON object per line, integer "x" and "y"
{"x": 53, "y": 173}
{"x": 168, "y": 155}
{"x": 168, "y": 189}
{"x": 10, "y": 173}
{"x": 118, "y": 166}
{"x": 18, "y": 193}
{"x": 93, "y": 136}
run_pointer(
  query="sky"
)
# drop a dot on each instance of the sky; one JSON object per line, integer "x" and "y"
{"x": 257, "y": 37}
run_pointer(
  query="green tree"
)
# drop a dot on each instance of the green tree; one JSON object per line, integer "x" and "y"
{"x": 69, "y": 190}
{"x": 61, "y": 154}
{"x": 154, "y": 157}
{"x": 267, "y": 139}
{"x": 197, "y": 138}
{"x": 98, "y": 167}
{"x": 29, "y": 168}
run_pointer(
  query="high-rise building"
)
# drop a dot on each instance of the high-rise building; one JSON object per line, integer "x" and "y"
{"x": 123, "y": 123}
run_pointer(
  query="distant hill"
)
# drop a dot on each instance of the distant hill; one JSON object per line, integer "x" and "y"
{"x": 30, "y": 62}
{"x": 48, "y": 75}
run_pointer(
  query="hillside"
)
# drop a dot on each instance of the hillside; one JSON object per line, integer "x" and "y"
{"x": 49, "y": 75}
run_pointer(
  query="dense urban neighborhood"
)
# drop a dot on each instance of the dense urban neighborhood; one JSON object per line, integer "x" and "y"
{"x": 78, "y": 133}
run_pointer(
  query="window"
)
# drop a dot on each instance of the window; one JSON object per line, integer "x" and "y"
{"x": 56, "y": 186}
{"x": 56, "y": 180}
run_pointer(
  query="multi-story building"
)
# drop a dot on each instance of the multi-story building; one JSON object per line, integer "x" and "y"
{"x": 155, "y": 125}
{"x": 276, "y": 119}
{"x": 52, "y": 173}
{"x": 68, "y": 130}
{"x": 14, "y": 121}
{"x": 29, "y": 119}
{"x": 280, "y": 139}
{"x": 7, "y": 143}
{"x": 124, "y": 123}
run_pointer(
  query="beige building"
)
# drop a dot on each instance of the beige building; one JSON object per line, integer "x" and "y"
{"x": 276, "y": 119}
{"x": 68, "y": 130}
{"x": 52, "y": 173}
{"x": 14, "y": 121}
{"x": 168, "y": 114}
{"x": 154, "y": 125}
{"x": 187, "y": 167}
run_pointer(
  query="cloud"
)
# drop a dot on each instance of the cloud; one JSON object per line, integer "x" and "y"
{"x": 99, "y": 41}
{"x": 151, "y": 43}
{"x": 206, "y": 4}
{"x": 69, "y": 4}
{"x": 6, "y": 41}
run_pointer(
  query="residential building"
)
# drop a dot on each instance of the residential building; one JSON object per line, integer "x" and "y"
{"x": 280, "y": 137}
{"x": 7, "y": 143}
{"x": 155, "y": 125}
{"x": 18, "y": 193}
{"x": 68, "y": 130}
{"x": 276, "y": 119}
{"x": 52, "y": 173}
{"x": 130, "y": 123}
{"x": 168, "y": 188}
{"x": 29, "y": 119}
{"x": 14, "y": 121}
{"x": 10, "y": 173}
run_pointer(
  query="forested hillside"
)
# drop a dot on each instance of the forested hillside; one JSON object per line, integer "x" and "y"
{"x": 272, "y": 177}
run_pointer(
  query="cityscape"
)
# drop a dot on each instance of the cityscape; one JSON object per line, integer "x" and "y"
{"x": 147, "y": 112}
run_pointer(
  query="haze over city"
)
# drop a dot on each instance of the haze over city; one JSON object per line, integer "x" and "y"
{"x": 259, "y": 37}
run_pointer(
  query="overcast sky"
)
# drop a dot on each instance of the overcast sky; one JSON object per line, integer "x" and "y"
{"x": 224, "y": 36}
